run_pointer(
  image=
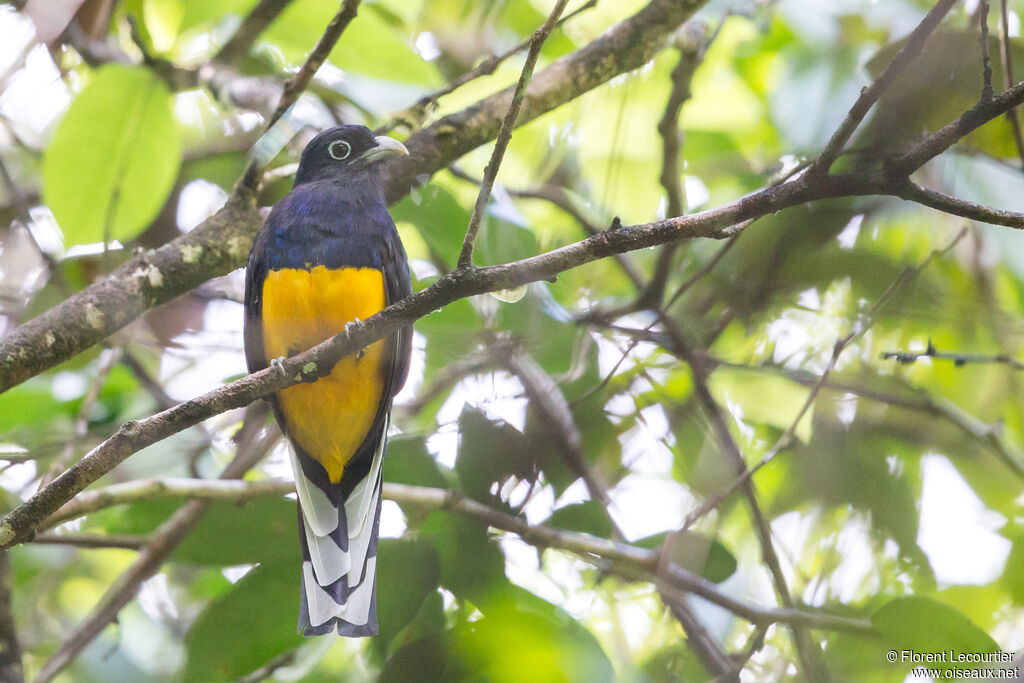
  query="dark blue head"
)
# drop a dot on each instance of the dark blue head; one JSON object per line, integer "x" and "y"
{"x": 344, "y": 151}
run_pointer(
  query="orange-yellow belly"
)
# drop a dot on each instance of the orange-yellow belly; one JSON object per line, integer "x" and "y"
{"x": 301, "y": 308}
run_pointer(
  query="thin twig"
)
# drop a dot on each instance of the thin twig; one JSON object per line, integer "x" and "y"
{"x": 560, "y": 198}
{"x": 986, "y": 61}
{"x": 554, "y": 411}
{"x": 268, "y": 669}
{"x": 1007, "y": 60}
{"x": 415, "y": 113}
{"x": 869, "y": 95}
{"x": 298, "y": 83}
{"x": 959, "y": 359}
{"x": 108, "y": 359}
{"x": 153, "y": 489}
{"x": 249, "y": 30}
{"x": 123, "y": 541}
{"x": 505, "y": 134}
{"x": 671, "y": 152}
{"x": 911, "y": 399}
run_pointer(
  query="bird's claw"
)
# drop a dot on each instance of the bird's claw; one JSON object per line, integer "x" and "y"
{"x": 278, "y": 364}
{"x": 348, "y": 325}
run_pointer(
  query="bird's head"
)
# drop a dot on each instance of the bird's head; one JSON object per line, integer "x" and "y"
{"x": 345, "y": 151}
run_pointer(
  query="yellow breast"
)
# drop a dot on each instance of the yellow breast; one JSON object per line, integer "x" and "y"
{"x": 301, "y": 308}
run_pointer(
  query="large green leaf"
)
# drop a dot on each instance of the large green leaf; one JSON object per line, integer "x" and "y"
{"x": 472, "y": 565}
{"x": 260, "y": 530}
{"x": 589, "y": 517}
{"x": 114, "y": 157}
{"x": 407, "y": 572}
{"x": 369, "y": 46}
{"x": 695, "y": 552}
{"x": 247, "y": 626}
{"x": 922, "y": 625}
{"x": 490, "y": 451}
{"x": 544, "y": 642}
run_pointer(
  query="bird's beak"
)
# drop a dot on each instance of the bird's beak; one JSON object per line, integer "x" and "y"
{"x": 386, "y": 148}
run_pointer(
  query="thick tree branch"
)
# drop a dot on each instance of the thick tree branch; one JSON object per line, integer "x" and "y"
{"x": 221, "y": 243}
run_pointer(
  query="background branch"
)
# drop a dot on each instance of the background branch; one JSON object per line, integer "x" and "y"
{"x": 505, "y": 133}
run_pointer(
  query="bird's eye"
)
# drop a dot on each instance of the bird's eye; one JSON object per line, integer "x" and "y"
{"x": 339, "y": 149}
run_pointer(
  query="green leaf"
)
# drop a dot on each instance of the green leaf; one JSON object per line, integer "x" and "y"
{"x": 921, "y": 624}
{"x": 421, "y": 660}
{"x": 407, "y": 572}
{"x": 674, "y": 663}
{"x": 439, "y": 218}
{"x": 409, "y": 462}
{"x": 260, "y": 530}
{"x": 588, "y": 517}
{"x": 490, "y": 451}
{"x": 695, "y": 552}
{"x": 369, "y": 46}
{"x": 545, "y": 643}
{"x": 1013, "y": 574}
{"x": 114, "y": 157}
{"x": 247, "y": 626}
{"x": 472, "y": 565}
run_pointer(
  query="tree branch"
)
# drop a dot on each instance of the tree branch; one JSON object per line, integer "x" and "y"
{"x": 10, "y": 647}
{"x": 869, "y": 95}
{"x": 721, "y": 222}
{"x": 221, "y": 243}
{"x": 1008, "y": 80}
{"x": 415, "y": 113}
{"x": 691, "y": 53}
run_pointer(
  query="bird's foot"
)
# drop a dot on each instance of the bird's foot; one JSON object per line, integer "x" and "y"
{"x": 278, "y": 364}
{"x": 348, "y": 325}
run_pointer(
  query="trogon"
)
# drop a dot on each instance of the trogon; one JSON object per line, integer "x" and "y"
{"x": 327, "y": 255}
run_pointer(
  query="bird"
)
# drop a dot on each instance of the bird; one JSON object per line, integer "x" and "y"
{"x": 329, "y": 255}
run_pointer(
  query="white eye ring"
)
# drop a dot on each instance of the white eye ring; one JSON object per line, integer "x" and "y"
{"x": 339, "y": 154}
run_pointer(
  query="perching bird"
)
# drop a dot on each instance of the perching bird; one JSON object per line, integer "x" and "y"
{"x": 329, "y": 254}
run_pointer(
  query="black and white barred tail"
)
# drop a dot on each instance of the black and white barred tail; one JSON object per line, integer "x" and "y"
{"x": 338, "y": 535}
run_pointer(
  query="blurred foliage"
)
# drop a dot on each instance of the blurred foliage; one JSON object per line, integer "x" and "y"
{"x": 891, "y": 504}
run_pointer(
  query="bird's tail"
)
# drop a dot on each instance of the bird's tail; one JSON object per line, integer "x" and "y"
{"x": 338, "y": 535}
